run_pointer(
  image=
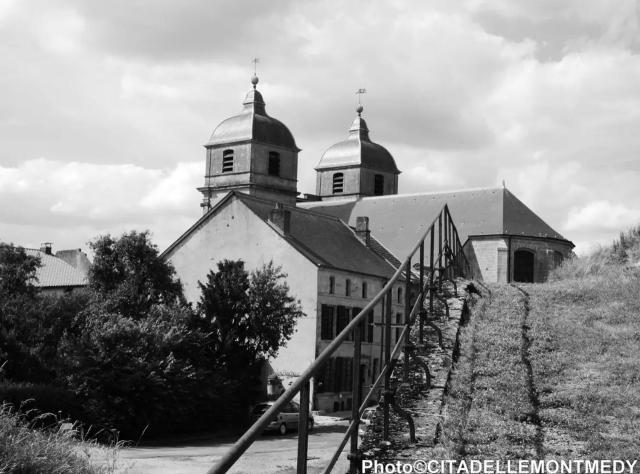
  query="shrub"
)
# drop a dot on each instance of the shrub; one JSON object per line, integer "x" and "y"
{"x": 41, "y": 398}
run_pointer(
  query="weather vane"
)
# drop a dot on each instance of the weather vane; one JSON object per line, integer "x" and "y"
{"x": 359, "y": 93}
{"x": 255, "y": 65}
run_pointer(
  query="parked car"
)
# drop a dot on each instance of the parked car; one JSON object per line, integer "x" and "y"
{"x": 365, "y": 419}
{"x": 286, "y": 420}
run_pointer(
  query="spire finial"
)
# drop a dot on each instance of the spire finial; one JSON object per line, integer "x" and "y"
{"x": 254, "y": 78}
{"x": 359, "y": 93}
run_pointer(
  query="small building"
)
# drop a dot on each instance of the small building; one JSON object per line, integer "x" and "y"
{"x": 502, "y": 238}
{"x": 62, "y": 272}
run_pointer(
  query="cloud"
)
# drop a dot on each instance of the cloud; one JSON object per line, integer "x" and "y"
{"x": 87, "y": 199}
{"x": 602, "y": 216}
{"x": 464, "y": 94}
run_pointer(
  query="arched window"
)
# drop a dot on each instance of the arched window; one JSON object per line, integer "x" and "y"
{"x": 378, "y": 185}
{"x": 338, "y": 183}
{"x": 274, "y": 163}
{"x": 227, "y": 161}
{"x": 523, "y": 265}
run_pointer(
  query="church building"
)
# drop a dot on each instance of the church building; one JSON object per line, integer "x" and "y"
{"x": 340, "y": 245}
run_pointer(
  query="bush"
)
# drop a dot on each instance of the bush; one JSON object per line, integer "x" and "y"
{"x": 146, "y": 375}
{"x": 41, "y": 399}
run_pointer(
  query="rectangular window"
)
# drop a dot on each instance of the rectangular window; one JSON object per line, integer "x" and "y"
{"x": 227, "y": 161}
{"x": 378, "y": 185}
{"x": 399, "y": 294}
{"x": 326, "y": 322}
{"x": 347, "y": 287}
{"x": 364, "y": 289}
{"x": 337, "y": 374}
{"x": 354, "y": 313}
{"x": 274, "y": 163}
{"x": 342, "y": 318}
{"x": 332, "y": 285}
{"x": 338, "y": 183}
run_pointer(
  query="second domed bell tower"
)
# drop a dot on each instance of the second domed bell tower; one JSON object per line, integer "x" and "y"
{"x": 356, "y": 167}
{"x": 252, "y": 153}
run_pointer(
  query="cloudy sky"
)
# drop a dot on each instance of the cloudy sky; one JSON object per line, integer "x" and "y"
{"x": 105, "y": 105}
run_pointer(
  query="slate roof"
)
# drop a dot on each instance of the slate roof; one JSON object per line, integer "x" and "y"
{"x": 323, "y": 239}
{"x": 358, "y": 150}
{"x": 55, "y": 272}
{"x": 398, "y": 221}
{"x": 253, "y": 124}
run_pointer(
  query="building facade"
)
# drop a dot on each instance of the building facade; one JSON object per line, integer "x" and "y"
{"x": 340, "y": 245}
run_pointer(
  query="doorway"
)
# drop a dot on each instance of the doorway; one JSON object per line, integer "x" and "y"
{"x": 523, "y": 261}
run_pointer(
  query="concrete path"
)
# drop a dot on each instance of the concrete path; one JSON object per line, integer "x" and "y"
{"x": 269, "y": 454}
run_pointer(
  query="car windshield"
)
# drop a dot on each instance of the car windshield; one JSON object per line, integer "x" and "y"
{"x": 261, "y": 408}
{"x": 367, "y": 414}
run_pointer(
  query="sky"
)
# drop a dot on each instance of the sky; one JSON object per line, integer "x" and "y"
{"x": 105, "y": 106}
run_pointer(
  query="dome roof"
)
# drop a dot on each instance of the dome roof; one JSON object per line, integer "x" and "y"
{"x": 253, "y": 123}
{"x": 358, "y": 150}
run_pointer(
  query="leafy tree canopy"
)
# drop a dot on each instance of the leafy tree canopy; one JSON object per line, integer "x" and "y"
{"x": 130, "y": 274}
{"x": 248, "y": 316}
{"x": 17, "y": 272}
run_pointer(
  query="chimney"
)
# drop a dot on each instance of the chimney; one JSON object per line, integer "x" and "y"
{"x": 362, "y": 230}
{"x": 46, "y": 247}
{"x": 281, "y": 218}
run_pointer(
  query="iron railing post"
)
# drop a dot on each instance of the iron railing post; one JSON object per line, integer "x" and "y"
{"x": 431, "y": 274}
{"x": 355, "y": 400}
{"x": 387, "y": 361}
{"x": 440, "y": 251}
{"x": 421, "y": 313}
{"x": 303, "y": 428}
{"x": 407, "y": 321}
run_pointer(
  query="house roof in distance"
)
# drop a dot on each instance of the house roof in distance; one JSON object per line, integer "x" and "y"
{"x": 398, "y": 221}
{"x": 322, "y": 238}
{"x": 55, "y": 272}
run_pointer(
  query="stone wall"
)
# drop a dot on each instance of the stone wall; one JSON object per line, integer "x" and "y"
{"x": 492, "y": 257}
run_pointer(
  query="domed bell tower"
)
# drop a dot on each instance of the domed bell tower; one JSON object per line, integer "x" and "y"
{"x": 356, "y": 167}
{"x": 252, "y": 153}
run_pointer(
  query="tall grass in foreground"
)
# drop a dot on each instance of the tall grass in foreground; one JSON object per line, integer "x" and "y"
{"x": 28, "y": 451}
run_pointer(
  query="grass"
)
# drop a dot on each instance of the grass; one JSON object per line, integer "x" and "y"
{"x": 25, "y": 450}
{"x": 553, "y": 373}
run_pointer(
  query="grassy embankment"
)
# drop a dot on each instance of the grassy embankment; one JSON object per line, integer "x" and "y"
{"x": 27, "y": 451}
{"x": 552, "y": 371}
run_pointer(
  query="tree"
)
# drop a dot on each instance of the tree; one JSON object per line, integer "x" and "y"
{"x": 20, "y": 321}
{"x": 130, "y": 275}
{"x": 247, "y": 316}
{"x": 145, "y": 374}
{"x": 17, "y": 272}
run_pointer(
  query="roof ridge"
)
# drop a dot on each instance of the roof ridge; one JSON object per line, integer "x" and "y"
{"x": 296, "y": 208}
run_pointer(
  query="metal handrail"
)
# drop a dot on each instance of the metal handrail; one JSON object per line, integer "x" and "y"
{"x": 301, "y": 384}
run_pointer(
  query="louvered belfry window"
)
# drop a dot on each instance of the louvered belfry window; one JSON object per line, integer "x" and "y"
{"x": 338, "y": 183}
{"x": 227, "y": 161}
{"x": 274, "y": 163}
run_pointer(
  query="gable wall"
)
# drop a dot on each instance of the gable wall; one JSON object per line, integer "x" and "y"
{"x": 235, "y": 232}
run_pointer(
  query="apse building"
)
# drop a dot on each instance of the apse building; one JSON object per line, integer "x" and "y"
{"x": 340, "y": 245}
